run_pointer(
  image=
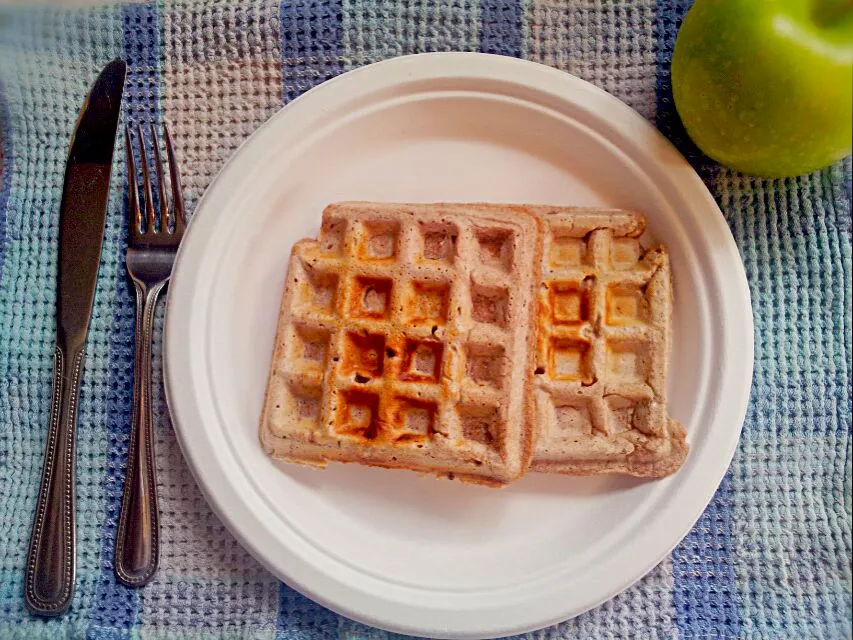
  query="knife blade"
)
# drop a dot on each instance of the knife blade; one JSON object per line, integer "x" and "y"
{"x": 50, "y": 570}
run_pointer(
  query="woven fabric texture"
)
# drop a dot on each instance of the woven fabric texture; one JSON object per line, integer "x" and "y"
{"x": 770, "y": 557}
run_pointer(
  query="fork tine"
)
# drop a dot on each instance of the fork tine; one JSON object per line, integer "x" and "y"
{"x": 134, "y": 213}
{"x": 175, "y": 179}
{"x": 146, "y": 182}
{"x": 161, "y": 188}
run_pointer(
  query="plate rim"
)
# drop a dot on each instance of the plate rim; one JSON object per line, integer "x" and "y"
{"x": 424, "y": 67}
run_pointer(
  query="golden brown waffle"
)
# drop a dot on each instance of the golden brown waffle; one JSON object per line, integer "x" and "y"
{"x": 604, "y": 341}
{"x": 404, "y": 341}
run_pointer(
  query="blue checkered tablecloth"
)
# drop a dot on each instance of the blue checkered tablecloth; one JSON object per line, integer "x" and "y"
{"x": 770, "y": 558}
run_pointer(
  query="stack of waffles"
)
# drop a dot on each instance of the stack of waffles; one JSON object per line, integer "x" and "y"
{"x": 475, "y": 341}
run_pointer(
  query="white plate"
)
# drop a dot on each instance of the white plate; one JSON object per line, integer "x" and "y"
{"x": 393, "y": 549}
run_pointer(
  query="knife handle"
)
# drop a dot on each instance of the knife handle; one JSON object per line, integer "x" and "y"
{"x": 137, "y": 542}
{"x": 49, "y": 577}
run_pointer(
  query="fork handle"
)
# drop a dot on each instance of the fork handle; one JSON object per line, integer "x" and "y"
{"x": 49, "y": 576}
{"x": 137, "y": 541}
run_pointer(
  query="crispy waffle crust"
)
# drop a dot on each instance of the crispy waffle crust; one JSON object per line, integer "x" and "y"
{"x": 404, "y": 341}
{"x": 475, "y": 341}
{"x": 605, "y": 327}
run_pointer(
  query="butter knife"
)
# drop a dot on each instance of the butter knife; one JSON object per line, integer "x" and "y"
{"x": 50, "y": 569}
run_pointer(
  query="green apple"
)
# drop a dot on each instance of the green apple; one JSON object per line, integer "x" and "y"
{"x": 766, "y": 86}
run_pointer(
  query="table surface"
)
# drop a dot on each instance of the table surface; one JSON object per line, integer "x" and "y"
{"x": 770, "y": 557}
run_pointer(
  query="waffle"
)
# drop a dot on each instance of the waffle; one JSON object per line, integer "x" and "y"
{"x": 604, "y": 337}
{"x": 404, "y": 341}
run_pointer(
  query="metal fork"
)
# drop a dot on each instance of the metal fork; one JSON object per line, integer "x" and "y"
{"x": 153, "y": 241}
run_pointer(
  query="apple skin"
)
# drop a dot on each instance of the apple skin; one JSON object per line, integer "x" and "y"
{"x": 766, "y": 87}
